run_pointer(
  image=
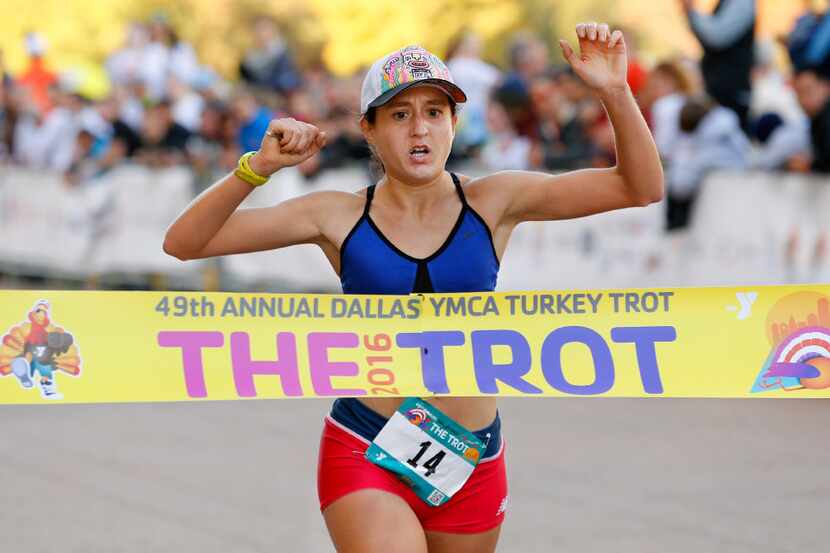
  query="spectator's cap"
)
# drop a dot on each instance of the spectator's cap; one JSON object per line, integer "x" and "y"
{"x": 404, "y": 69}
{"x": 35, "y": 44}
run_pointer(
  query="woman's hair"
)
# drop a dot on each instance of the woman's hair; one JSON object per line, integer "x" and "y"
{"x": 375, "y": 164}
{"x": 693, "y": 112}
{"x": 677, "y": 73}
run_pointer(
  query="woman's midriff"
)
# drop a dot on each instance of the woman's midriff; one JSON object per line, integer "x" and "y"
{"x": 473, "y": 413}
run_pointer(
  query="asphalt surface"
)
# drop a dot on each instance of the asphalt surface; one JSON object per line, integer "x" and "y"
{"x": 586, "y": 475}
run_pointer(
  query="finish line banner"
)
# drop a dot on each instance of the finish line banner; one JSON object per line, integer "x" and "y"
{"x": 104, "y": 347}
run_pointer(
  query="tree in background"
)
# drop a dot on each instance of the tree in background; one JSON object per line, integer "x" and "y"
{"x": 344, "y": 34}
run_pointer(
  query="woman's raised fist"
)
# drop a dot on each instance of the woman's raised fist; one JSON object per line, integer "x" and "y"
{"x": 287, "y": 142}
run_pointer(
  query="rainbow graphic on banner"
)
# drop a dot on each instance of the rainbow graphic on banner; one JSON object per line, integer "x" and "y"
{"x": 798, "y": 328}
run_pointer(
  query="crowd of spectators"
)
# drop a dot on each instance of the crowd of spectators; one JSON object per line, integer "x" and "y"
{"x": 734, "y": 109}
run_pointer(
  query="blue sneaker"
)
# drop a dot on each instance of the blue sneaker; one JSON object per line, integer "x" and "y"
{"x": 22, "y": 370}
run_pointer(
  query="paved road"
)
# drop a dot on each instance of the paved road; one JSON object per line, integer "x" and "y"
{"x": 619, "y": 476}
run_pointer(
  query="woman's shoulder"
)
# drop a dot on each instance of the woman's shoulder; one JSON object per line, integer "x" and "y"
{"x": 491, "y": 195}
{"x": 338, "y": 198}
{"x": 337, "y": 205}
{"x": 486, "y": 188}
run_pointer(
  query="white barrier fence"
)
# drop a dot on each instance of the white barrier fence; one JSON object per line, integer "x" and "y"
{"x": 742, "y": 229}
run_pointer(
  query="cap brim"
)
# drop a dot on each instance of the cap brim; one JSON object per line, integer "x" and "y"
{"x": 451, "y": 89}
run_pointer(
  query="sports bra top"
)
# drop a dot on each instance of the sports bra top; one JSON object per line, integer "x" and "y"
{"x": 465, "y": 262}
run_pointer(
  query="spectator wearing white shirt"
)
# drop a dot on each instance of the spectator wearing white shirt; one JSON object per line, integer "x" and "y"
{"x": 771, "y": 89}
{"x": 666, "y": 90}
{"x": 187, "y": 104}
{"x": 477, "y": 78}
{"x": 165, "y": 56}
{"x": 711, "y": 139}
{"x": 48, "y": 141}
{"x": 125, "y": 65}
{"x": 505, "y": 148}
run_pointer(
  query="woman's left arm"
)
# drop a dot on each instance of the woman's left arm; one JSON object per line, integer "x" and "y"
{"x": 637, "y": 178}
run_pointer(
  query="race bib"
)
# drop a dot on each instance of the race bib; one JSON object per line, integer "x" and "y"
{"x": 427, "y": 450}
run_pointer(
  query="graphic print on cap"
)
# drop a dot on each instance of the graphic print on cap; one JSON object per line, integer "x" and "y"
{"x": 412, "y": 63}
{"x": 401, "y": 69}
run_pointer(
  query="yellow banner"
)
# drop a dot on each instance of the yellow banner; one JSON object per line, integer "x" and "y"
{"x": 101, "y": 347}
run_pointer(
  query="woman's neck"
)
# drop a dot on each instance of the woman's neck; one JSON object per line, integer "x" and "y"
{"x": 414, "y": 197}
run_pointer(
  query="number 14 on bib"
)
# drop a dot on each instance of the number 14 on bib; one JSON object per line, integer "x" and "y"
{"x": 426, "y": 449}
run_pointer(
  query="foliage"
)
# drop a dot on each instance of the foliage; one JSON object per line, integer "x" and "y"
{"x": 344, "y": 34}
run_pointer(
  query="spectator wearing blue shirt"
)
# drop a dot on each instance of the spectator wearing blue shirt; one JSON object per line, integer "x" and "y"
{"x": 252, "y": 118}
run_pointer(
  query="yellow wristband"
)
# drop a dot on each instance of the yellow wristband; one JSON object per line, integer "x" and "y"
{"x": 244, "y": 171}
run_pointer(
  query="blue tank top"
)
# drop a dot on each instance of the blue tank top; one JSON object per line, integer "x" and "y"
{"x": 465, "y": 262}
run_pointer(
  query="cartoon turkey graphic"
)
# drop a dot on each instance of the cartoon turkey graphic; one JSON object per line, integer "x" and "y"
{"x": 35, "y": 349}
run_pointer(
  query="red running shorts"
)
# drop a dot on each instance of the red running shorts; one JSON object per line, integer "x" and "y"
{"x": 477, "y": 507}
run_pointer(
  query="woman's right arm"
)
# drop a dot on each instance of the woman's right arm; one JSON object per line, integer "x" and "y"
{"x": 212, "y": 225}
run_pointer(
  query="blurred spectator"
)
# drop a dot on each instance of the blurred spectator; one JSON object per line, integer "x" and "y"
{"x": 601, "y": 134}
{"x": 781, "y": 144}
{"x": 48, "y": 140}
{"x": 90, "y": 154}
{"x": 563, "y": 141}
{"x": 813, "y": 91}
{"x": 210, "y": 152}
{"x": 528, "y": 59}
{"x": 5, "y": 77}
{"x": 778, "y": 124}
{"x": 666, "y": 90}
{"x": 345, "y": 144}
{"x": 130, "y": 99}
{"x": 477, "y": 78}
{"x": 505, "y": 148}
{"x": 8, "y": 113}
{"x": 809, "y": 49}
{"x": 166, "y": 56}
{"x": 125, "y": 65}
{"x": 771, "y": 90}
{"x": 588, "y": 110}
{"x": 163, "y": 141}
{"x": 36, "y": 79}
{"x": 269, "y": 64}
{"x": 124, "y": 140}
{"x": 711, "y": 139}
{"x": 637, "y": 73}
{"x": 303, "y": 107}
{"x": 252, "y": 118}
{"x": 727, "y": 37}
{"x": 809, "y": 41}
{"x": 187, "y": 104}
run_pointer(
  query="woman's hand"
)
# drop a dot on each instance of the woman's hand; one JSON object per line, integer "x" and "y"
{"x": 287, "y": 142}
{"x": 602, "y": 63}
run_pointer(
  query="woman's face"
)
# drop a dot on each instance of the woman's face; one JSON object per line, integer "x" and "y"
{"x": 412, "y": 134}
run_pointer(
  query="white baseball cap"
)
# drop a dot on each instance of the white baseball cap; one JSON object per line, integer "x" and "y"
{"x": 35, "y": 44}
{"x": 402, "y": 69}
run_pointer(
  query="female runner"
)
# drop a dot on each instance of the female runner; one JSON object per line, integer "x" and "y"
{"x": 419, "y": 229}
